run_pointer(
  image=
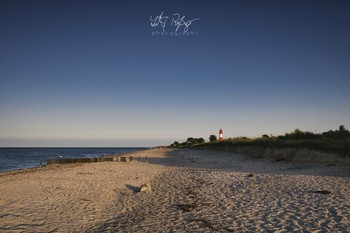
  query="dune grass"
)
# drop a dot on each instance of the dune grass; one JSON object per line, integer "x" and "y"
{"x": 338, "y": 146}
{"x": 337, "y": 141}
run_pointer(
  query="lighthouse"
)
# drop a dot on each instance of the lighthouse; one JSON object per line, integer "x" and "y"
{"x": 221, "y": 135}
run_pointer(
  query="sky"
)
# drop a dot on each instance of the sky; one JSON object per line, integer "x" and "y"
{"x": 101, "y": 73}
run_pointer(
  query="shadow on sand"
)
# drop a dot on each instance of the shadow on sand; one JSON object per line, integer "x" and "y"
{"x": 135, "y": 189}
{"x": 234, "y": 162}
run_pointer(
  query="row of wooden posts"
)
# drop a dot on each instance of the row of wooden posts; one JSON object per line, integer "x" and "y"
{"x": 91, "y": 160}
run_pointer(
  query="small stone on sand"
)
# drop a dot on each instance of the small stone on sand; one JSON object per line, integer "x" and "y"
{"x": 145, "y": 188}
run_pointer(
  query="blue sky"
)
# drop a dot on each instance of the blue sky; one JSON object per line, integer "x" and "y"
{"x": 90, "y": 73}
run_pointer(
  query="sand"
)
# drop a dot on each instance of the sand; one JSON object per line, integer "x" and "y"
{"x": 192, "y": 191}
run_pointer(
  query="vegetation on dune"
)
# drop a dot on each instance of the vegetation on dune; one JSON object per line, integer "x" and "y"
{"x": 213, "y": 138}
{"x": 337, "y": 141}
{"x": 189, "y": 142}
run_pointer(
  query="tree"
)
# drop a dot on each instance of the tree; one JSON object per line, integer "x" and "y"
{"x": 213, "y": 138}
{"x": 191, "y": 140}
{"x": 342, "y": 128}
{"x": 200, "y": 140}
{"x": 342, "y": 132}
{"x": 175, "y": 144}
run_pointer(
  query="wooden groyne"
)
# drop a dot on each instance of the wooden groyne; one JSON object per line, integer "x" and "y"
{"x": 110, "y": 158}
{"x": 78, "y": 160}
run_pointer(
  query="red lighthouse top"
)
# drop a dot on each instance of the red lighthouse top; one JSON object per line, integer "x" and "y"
{"x": 221, "y": 135}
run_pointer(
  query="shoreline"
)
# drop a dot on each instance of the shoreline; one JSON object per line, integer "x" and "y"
{"x": 44, "y": 161}
{"x": 192, "y": 190}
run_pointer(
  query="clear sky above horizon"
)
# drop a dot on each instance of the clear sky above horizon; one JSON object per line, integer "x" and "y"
{"x": 91, "y": 73}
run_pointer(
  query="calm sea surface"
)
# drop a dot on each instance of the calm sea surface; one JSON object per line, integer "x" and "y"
{"x": 17, "y": 158}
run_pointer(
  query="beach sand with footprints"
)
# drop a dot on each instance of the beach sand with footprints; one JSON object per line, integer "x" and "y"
{"x": 191, "y": 191}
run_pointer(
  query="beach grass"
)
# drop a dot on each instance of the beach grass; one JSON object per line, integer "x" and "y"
{"x": 338, "y": 146}
{"x": 337, "y": 141}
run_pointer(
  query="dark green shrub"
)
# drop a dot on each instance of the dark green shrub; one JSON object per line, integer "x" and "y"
{"x": 213, "y": 138}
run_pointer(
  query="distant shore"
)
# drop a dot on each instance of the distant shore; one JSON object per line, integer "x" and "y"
{"x": 192, "y": 190}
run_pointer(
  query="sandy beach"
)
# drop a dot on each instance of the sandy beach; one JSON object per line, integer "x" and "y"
{"x": 192, "y": 191}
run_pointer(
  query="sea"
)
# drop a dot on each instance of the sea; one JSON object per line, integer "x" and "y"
{"x": 19, "y": 158}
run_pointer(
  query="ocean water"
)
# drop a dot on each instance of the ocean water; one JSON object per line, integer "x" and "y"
{"x": 18, "y": 158}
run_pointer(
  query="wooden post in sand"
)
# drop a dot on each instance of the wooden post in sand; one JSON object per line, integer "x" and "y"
{"x": 41, "y": 163}
{"x": 146, "y": 160}
{"x": 130, "y": 158}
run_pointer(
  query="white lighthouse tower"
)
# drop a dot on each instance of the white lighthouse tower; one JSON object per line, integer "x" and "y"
{"x": 221, "y": 135}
